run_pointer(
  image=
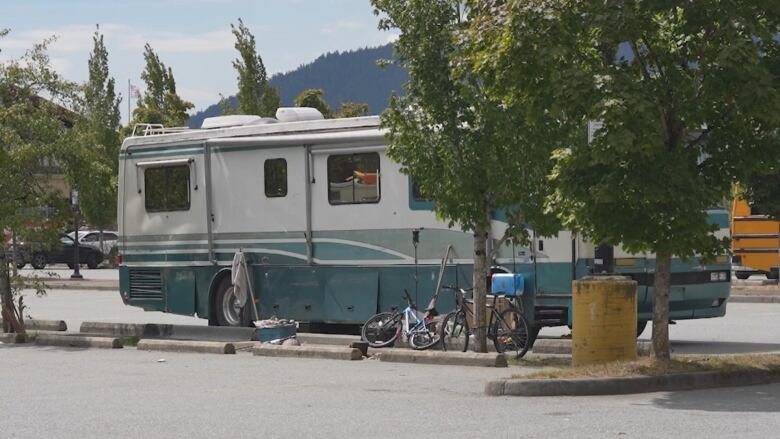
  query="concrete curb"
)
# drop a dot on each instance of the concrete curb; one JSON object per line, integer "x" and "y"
{"x": 739, "y": 298}
{"x": 563, "y": 347}
{"x": 326, "y": 339}
{"x": 203, "y": 347}
{"x": 13, "y": 338}
{"x": 76, "y": 341}
{"x": 44, "y": 325}
{"x": 311, "y": 351}
{"x": 175, "y": 332}
{"x": 62, "y": 286}
{"x": 443, "y": 358}
{"x": 626, "y": 385}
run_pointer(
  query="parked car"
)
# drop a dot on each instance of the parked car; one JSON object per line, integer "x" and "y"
{"x": 60, "y": 252}
{"x": 91, "y": 238}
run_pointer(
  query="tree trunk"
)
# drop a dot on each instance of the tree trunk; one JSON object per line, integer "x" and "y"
{"x": 480, "y": 286}
{"x": 663, "y": 275}
{"x": 10, "y": 321}
{"x": 14, "y": 253}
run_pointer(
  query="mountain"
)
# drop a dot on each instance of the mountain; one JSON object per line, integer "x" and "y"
{"x": 344, "y": 76}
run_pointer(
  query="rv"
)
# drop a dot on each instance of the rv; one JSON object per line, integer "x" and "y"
{"x": 332, "y": 229}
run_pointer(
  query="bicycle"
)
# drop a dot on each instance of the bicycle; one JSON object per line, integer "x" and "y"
{"x": 383, "y": 329}
{"x": 507, "y": 328}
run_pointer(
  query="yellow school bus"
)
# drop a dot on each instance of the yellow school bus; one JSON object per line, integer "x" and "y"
{"x": 755, "y": 241}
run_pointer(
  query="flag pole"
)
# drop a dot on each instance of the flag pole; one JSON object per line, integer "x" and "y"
{"x": 129, "y": 96}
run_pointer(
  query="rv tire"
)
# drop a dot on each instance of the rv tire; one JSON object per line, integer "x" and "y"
{"x": 640, "y": 327}
{"x": 228, "y": 313}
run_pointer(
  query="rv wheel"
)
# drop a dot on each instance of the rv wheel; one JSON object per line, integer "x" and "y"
{"x": 229, "y": 311}
{"x": 640, "y": 327}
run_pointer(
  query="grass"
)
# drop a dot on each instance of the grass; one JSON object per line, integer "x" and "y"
{"x": 531, "y": 361}
{"x": 130, "y": 341}
{"x": 648, "y": 367}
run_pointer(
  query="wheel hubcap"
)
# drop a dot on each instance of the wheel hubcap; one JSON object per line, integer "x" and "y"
{"x": 231, "y": 308}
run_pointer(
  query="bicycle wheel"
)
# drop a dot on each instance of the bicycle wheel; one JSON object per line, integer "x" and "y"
{"x": 454, "y": 331}
{"x": 425, "y": 336}
{"x": 382, "y": 329}
{"x": 510, "y": 333}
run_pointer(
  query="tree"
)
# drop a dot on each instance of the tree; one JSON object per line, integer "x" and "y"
{"x": 352, "y": 109}
{"x": 762, "y": 190}
{"x": 688, "y": 96}
{"x": 453, "y": 139}
{"x": 34, "y": 133}
{"x": 314, "y": 98}
{"x": 255, "y": 94}
{"x": 98, "y": 141}
{"x": 160, "y": 104}
{"x": 226, "y": 107}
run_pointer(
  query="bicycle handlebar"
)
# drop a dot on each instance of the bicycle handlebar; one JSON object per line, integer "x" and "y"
{"x": 453, "y": 288}
{"x": 409, "y": 300}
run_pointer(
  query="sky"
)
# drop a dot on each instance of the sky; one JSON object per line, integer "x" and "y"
{"x": 191, "y": 36}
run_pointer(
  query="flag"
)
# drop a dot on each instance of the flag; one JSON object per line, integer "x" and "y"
{"x": 134, "y": 91}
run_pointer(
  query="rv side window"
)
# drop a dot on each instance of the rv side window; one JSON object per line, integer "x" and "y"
{"x": 417, "y": 194}
{"x": 275, "y": 178}
{"x": 353, "y": 178}
{"x": 167, "y": 188}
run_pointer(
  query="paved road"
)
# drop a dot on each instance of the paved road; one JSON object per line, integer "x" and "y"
{"x": 746, "y": 327}
{"x": 66, "y": 393}
{"x": 70, "y": 393}
{"x": 63, "y": 272}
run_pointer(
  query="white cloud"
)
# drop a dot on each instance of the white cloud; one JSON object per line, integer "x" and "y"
{"x": 62, "y": 65}
{"x": 392, "y": 38}
{"x": 198, "y": 96}
{"x": 68, "y": 39}
{"x": 343, "y": 26}
{"x": 78, "y": 38}
{"x": 173, "y": 42}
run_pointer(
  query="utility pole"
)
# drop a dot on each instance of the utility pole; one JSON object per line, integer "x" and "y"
{"x": 74, "y": 200}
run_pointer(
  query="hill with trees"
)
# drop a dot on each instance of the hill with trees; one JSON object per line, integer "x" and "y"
{"x": 350, "y": 76}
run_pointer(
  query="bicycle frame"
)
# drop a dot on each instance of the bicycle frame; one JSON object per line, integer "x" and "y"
{"x": 460, "y": 302}
{"x": 408, "y": 329}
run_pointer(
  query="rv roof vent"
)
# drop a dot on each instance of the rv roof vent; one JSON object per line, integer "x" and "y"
{"x": 235, "y": 120}
{"x": 297, "y": 114}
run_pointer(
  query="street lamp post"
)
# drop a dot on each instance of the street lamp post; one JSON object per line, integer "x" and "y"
{"x": 74, "y": 204}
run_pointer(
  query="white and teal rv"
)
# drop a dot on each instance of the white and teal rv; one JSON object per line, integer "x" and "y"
{"x": 326, "y": 220}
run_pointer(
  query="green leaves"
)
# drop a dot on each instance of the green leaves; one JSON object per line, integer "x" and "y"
{"x": 160, "y": 103}
{"x": 34, "y": 133}
{"x": 687, "y": 94}
{"x": 97, "y": 147}
{"x": 469, "y": 150}
{"x": 314, "y": 98}
{"x": 255, "y": 95}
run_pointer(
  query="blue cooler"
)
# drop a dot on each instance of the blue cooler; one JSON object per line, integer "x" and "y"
{"x": 265, "y": 335}
{"x": 511, "y": 284}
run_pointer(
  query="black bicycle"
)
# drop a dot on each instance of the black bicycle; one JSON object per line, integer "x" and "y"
{"x": 507, "y": 327}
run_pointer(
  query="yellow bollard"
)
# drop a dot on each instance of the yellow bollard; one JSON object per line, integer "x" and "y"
{"x": 604, "y": 320}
